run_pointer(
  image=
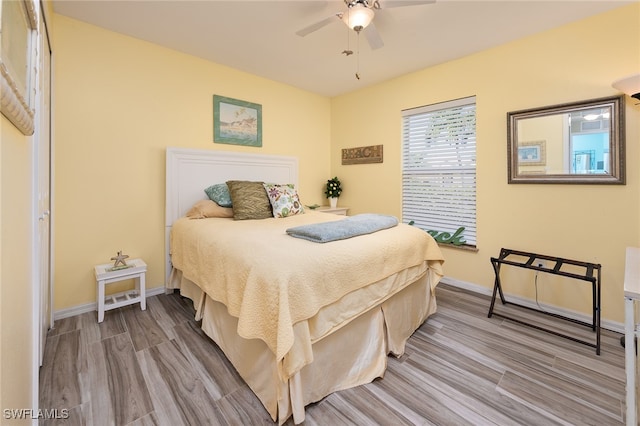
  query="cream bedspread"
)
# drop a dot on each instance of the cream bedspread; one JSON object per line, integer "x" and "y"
{"x": 271, "y": 281}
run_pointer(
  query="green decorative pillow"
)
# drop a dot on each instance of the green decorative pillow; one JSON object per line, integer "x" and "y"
{"x": 219, "y": 193}
{"x": 249, "y": 200}
{"x": 284, "y": 199}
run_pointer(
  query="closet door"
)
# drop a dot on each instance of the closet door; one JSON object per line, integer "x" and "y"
{"x": 43, "y": 191}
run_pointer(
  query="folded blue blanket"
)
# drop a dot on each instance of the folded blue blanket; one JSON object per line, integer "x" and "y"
{"x": 352, "y": 226}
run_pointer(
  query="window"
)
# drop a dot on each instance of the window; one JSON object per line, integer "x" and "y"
{"x": 439, "y": 170}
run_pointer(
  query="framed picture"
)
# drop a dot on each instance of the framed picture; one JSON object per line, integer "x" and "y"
{"x": 18, "y": 20}
{"x": 532, "y": 153}
{"x": 236, "y": 122}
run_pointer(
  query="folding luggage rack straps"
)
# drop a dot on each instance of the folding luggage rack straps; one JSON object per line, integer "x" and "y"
{"x": 592, "y": 274}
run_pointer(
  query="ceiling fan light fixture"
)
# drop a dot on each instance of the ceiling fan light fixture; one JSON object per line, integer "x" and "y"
{"x": 358, "y": 17}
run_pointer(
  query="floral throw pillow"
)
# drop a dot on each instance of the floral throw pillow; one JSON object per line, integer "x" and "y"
{"x": 284, "y": 199}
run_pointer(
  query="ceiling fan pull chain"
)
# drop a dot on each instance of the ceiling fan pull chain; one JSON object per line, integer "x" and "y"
{"x": 358, "y": 57}
{"x": 347, "y": 51}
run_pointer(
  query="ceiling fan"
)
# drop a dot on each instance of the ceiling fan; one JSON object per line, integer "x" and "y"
{"x": 359, "y": 16}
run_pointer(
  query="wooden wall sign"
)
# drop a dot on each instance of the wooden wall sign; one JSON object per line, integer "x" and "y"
{"x": 362, "y": 155}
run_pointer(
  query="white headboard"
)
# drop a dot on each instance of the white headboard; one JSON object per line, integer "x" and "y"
{"x": 190, "y": 171}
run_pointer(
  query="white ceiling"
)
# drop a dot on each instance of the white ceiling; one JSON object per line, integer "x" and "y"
{"x": 259, "y": 36}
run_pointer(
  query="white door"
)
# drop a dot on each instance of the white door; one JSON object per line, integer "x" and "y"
{"x": 44, "y": 188}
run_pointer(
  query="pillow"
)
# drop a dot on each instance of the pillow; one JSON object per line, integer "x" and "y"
{"x": 207, "y": 208}
{"x": 249, "y": 200}
{"x": 220, "y": 194}
{"x": 284, "y": 199}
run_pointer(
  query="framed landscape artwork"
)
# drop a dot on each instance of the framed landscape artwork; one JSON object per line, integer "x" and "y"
{"x": 236, "y": 122}
{"x": 532, "y": 153}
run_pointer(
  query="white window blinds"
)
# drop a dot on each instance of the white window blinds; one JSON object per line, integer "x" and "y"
{"x": 439, "y": 168}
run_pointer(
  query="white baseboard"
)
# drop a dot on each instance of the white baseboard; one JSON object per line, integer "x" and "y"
{"x": 92, "y": 307}
{"x": 618, "y": 327}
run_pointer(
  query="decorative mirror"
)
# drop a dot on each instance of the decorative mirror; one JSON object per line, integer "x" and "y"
{"x": 579, "y": 142}
{"x": 19, "y": 24}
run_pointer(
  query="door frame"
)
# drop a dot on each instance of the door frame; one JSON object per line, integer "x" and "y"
{"x": 38, "y": 319}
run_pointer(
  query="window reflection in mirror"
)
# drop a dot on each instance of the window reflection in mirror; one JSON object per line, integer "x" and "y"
{"x": 580, "y": 142}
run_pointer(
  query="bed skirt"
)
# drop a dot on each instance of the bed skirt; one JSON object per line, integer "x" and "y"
{"x": 348, "y": 355}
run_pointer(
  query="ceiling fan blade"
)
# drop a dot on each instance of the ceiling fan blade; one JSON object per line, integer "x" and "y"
{"x": 400, "y": 3}
{"x": 373, "y": 37}
{"x": 320, "y": 24}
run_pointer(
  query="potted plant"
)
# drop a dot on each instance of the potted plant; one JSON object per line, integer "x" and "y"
{"x": 333, "y": 191}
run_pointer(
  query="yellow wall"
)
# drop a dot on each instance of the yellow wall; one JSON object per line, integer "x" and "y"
{"x": 15, "y": 268}
{"x": 584, "y": 222}
{"x": 119, "y": 103}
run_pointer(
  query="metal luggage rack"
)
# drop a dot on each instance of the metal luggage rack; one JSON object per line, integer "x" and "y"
{"x": 592, "y": 274}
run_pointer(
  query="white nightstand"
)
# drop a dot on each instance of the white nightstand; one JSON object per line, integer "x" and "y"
{"x": 335, "y": 210}
{"x": 105, "y": 275}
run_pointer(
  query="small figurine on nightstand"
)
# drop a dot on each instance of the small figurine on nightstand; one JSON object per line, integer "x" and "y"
{"x": 119, "y": 259}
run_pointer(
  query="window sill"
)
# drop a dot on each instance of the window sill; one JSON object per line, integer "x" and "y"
{"x": 463, "y": 247}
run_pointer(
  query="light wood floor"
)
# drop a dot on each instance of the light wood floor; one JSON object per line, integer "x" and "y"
{"x": 157, "y": 368}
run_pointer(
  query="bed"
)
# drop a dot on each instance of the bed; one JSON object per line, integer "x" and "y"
{"x": 297, "y": 319}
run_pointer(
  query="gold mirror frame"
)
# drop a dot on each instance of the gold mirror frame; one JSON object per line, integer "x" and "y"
{"x": 536, "y": 154}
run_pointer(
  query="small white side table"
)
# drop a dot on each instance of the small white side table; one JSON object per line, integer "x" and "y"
{"x": 335, "y": 210}
{"x": 631, "y": 295}
{"x": 105, "y": 275}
